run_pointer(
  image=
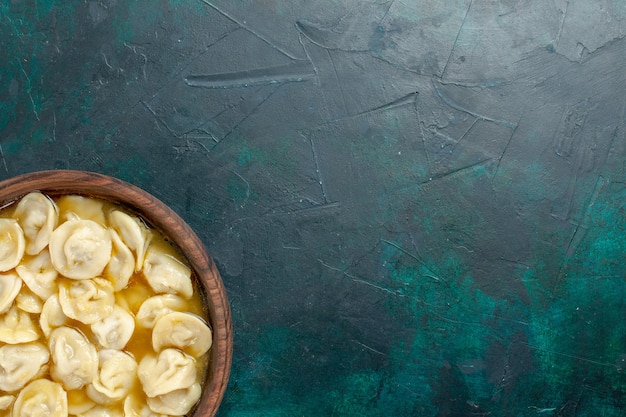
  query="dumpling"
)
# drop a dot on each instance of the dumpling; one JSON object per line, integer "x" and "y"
{"x": 21, "y": 363}
{"x": 38, "y": 216}
{"x": 39, "y": 274}
{"x": 10, "y": 285}
{"x": 116, "y": 376}
{"x": 122, "y": 263}
{"x": 166, "y": 274}
{"x": 27, "y": 301}
{"x": 78, "y": 402}
{"x": 52, "y": 315}
{"x": 184, "y": 331}
{"x": 74, "y": 358}
{"x": 41, "y": 398}
{"x": 133, "y": 233}
{"x": 169, "y": 371}
{"x": 77, "y": 207}
{"x": 12, "y": 244}
{"x": 155, "y": 307}
{"x": 16, "y": 326}
{"x": 176, "y": 403}
{"x": 115, "y": 330}
{"x": 87, "y": 300}
{"x": 136, "y": 406}
{"x": 80, "y": 249}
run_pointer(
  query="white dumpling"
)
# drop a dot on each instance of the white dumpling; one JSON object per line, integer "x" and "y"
{"x": 78, "y": 402}
{"x": 77, "y": 207}
{"x": 39, "y": 274}
{"x": 87, "y": 300}
{"x": 80, "y": 249}
{"x": 170, "y": 370}
{"x": 122, "y": 263}
{"x": 136, "y": 406}
{"x": 10, "y": 285}
{"x": 176, "y": 403}
{"x": 12, "y": 244}
{"x": 6, "y": 401}
{"x": 166, "y": 274}
{"x": 115, "y": 330}
{"x": 184, "y": 331}
{"x": 155, "y": 307}
{"x": 41, "y": 398}
{"x": 19, "y": 364}
{"x": 16, "y": 326}
{"x": 52, "y": 315}
{"x": 133, "y": 232}
{"x": 116, "y": 376}
{"x": 38, "y": 215}
{"x": 28, "y": 301}
{"x": 74, "y": 358}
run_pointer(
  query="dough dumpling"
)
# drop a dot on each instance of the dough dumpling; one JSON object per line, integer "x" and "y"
{"x": 41, "y": 398}
{"x": 10, "y": 285}
{"x": 78, "y": 402}
{"x": 74, "y": 358}
{"x": 176, "y": 403}
{"x": 52, "y": 315}
{"x": 80, "y": 249}
{"x": 16, "y": 326}
{"x": 6, "y": 401}
{"x": 39, "y": 274}
{"x": 12, "y": 244}
{"x": 169, "y": 371}
{"x": 87, "y": 300}
{"x": 21, "y": 363}
{"x": 116, "y": 376}
{"x": 136, "y": 406}
{"x": 166, "y": 274}
{"x": 133, "y": 233}
{"x": 115, "y": 330}
{"x": 184, "y": 331}
{"x": 122, "y": 263}
{"x": 27, "y": 301}
{"x": 38, "y": 216}
{"x": 156, "y": 307}
{"x": 77, "y": 207}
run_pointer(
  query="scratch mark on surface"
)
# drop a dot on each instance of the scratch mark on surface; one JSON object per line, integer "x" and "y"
{"x": 561, "y": 24}
{"x": 567, "y": 355}
{"x": 54, "y": 127}
{"x": 4, "y": 162}
{"x": 248, "y": 29}
{"x": 339, "y": 84}
{"x": 455, "y": 106}
{"x": 28, "y": 89}
{"x": 464, "y": 134}
{"x": 297, "y": 71}
{"x": 456, "y": 39}
{"x": 382, "y": 19}
{"x": 157, "y": 118}
{"x": 430, "y": 273}
{"x": 458, "y": 171}
{"x": 318, "y": 173}
{"x": 361, "y": 281}
{"x": 368, "y": 347}
{"x": 506, "y": 148}
{"x": 247, "y": 188}
{"x": 399, "y": 102}
{"x": 232, "y": 129}
{"x": 424, "y": 145}
{"x": 106, "y": 61}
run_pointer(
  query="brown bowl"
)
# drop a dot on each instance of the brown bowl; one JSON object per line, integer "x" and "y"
{"x": 165, "y": 220}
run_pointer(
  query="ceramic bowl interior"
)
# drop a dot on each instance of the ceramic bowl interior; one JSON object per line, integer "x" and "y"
{"x": 165, "y": 220}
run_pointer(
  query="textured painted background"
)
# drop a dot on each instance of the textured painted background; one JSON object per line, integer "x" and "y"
{"x": 417, "y": 207}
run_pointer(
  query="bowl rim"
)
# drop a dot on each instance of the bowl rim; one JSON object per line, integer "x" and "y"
{"x": 166, "y": 220}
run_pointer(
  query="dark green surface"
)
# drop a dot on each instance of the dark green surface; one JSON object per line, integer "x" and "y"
{"x": 418, "y": 211}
